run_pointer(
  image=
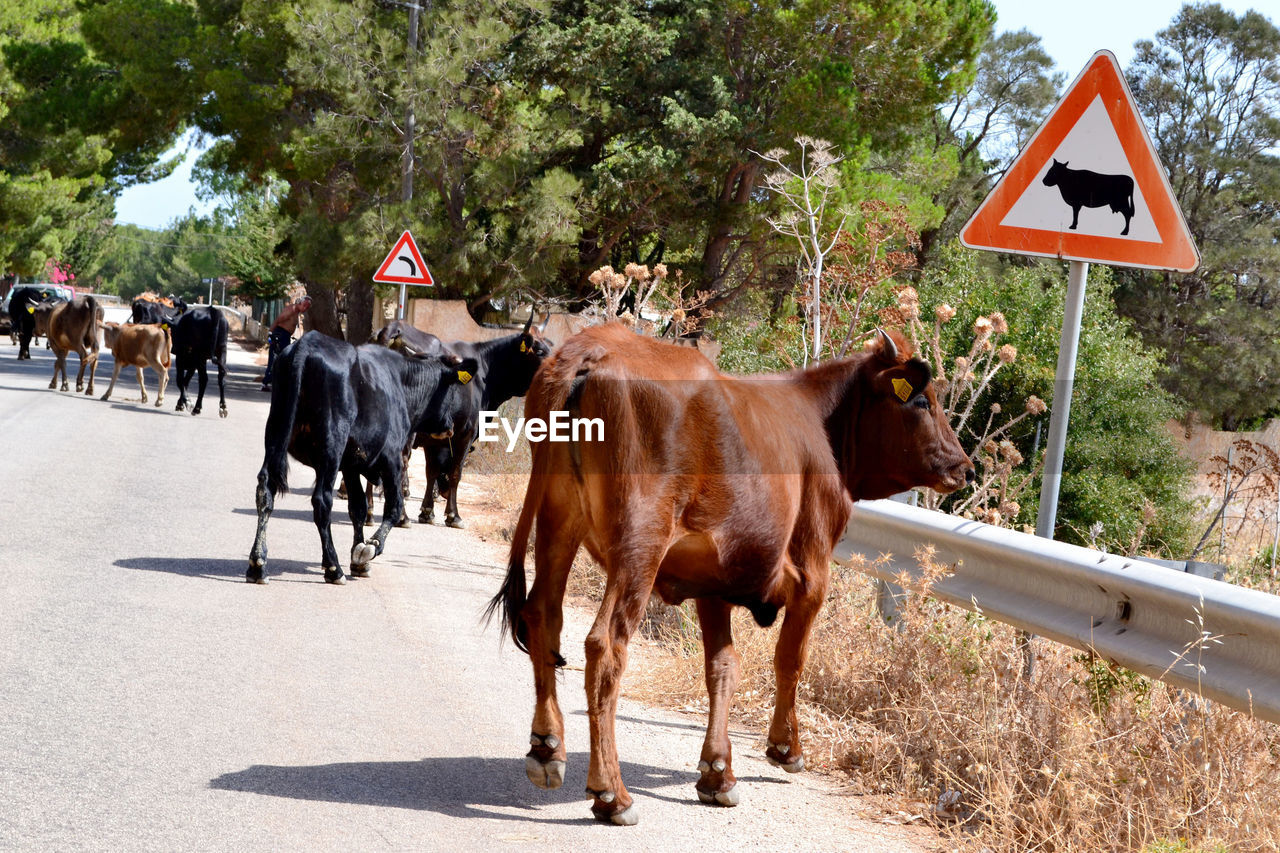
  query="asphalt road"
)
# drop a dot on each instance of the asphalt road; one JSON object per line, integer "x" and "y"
{"x": 150, "y": 699}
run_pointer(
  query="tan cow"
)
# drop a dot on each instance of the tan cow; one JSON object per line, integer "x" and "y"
{"x": 74, "y": 326}
{"x": 141, "y": 346}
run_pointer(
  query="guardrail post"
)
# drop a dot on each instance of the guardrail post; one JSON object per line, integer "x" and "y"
{"x": 889, "y": 596}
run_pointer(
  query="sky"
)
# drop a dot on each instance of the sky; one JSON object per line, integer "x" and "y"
{"x": 1071, "y": 33}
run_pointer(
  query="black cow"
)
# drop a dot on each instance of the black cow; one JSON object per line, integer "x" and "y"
{"x": 22, "y": 307}
{"x": 200, "y": 334}
{"x": 505, "y": 368}
{"x": 339, "y": 408}
{"x": 1082, "y": 188}
{"x": 401, "y": 335}
{"x": 146, "y": 311}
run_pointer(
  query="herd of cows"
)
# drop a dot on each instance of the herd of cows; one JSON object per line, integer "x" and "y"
{"x": 731, "y": 491}
{"x": 156, "y": 334}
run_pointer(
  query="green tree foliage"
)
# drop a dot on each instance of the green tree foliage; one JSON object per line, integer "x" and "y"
{"x": 1209, "y": 89}
{"x": 1123, "y": 478}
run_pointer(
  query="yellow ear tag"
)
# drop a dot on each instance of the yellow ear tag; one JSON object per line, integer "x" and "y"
{"x": 523, "y": 347}
{"x": 902, "y": 388}
{"x": 164, "y": 326}
{"x": 464, "y": 377}
{"x": 31, "y": 309}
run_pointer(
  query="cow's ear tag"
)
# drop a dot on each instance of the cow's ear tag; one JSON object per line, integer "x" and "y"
{"x": 164, "y": 326}
{"x": 464, "y": 377}
{"x": 31, "y": 309}
{"x": 524, "y": 347}
{"x": 902, "y": 388}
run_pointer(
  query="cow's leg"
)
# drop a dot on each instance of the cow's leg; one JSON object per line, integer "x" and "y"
{"x": 632, "y": 566}
{"x": 80, "y": 375}
{"x": 59, "y": 364}
{"x": 716, "y": 782}
{"x": 404, "y": 484}
{"x": 363, "y": 554}
{"x": 427, "y": 515}
{"x": 162, "y": 381}
{"x": 358, "y": 512}
{"x": 788, "y": 662}
{"x": 89, "y": 361}
{"x": 258, "y": 554}
{"x": 203, "y": 369}
{"x": 454, "y": 475}
{"x": 111, "y": 385}
{"x": 1075, "y": 216}
{"x": 222, "y": 391}
{"x": 142, "y": 386}
{"x": 181, "y": 375}
{"x": 555, "y": 545}
{"x": 322, "y": 513}
{"x": 368, "y": 502}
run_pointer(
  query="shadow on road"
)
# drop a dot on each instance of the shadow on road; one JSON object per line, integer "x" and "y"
{"x": 458, "y": 787}
{"x": 220, "y": 569}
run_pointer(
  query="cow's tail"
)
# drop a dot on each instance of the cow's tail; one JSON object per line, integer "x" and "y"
{"x": 286, "y": 391}
{"x": 96, "y": 315}
{"x": 511, "y": 598}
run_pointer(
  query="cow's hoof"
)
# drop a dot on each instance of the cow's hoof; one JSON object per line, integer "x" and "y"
{"x": 181, "y": 407}
{"x": 606, "y": 809}
{"x": 404, "y": 522}
{"x": 717, "y": 785}
{"x": 256, "y": 572}
{"x": 196, "y": 410}
{"x": 456, "y": 523}
{"x": 544, "y": 774}
{"x": 426, "y": 518}
{"x": 359, "y": 571}
{"x": 105, "y": 397}
{"x": 159, "y": 403}
{"x": 222, "y": 412}
{"x": 334, "y": 576}
{"x": 777, "y": 755}
{"x": 363, "y": 554}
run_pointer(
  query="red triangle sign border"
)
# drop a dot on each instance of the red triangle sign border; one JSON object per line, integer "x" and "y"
{"x": 1101, "y": 77}
{"x": 422, "y": 275}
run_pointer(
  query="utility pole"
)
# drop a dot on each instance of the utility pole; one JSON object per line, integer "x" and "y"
{"x": 406, "y": 173}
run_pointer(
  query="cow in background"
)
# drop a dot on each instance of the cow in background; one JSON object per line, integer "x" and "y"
{"x": 139, "y": 346}
{"x": 343, "y": 409}
{"x": 505, "y": 369}
{"x": 200, "y": 335}
{"x": 729, "y": 491}
{"x": 158, "y": 310}
{"x": 22, "y": 307}
{"x": 1082, "y": 188}
{"x": 74, "y": 327}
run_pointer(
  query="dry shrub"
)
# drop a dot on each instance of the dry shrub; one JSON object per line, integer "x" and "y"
{"x": 1087, "y": 757}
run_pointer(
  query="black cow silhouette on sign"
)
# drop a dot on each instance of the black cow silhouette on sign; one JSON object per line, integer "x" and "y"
{"x": 1082, "y": 188}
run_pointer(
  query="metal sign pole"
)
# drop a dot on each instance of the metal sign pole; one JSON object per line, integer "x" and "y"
{"x": 1063, "y": 383}
{"x": 400, "y": 305}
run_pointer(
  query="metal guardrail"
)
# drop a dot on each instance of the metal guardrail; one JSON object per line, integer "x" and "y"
{"x": 1155, "y": 621}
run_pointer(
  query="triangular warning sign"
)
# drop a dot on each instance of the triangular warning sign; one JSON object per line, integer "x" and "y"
{"x": 404, "y": 264}
{"x": 1088, "y": 186}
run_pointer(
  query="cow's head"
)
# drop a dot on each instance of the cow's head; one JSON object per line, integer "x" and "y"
{"x": 901, "y": 437}
{"x": 1055, "y": 174}
{"x": 530, "y": 350}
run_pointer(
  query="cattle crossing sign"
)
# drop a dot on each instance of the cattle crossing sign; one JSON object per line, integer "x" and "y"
{"x": 1088, "y": 186}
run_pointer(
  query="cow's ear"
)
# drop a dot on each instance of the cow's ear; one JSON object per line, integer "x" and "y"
{"x": 903, "y": 381}
{"x": 465, "y": 370}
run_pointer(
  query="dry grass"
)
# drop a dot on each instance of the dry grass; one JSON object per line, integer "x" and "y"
{"x": 935, "y": 714}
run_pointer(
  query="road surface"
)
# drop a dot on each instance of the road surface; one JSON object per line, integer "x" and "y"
{"x": 150, "y": 699}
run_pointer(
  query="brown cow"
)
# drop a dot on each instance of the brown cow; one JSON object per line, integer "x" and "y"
{"x": 141, "y": 346}
{"x": 730, "y": 491}
{"x": 74, "y": 326}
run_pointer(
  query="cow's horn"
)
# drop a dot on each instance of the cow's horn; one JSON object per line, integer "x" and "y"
{"x": 545, "y": 323}
{"x": 529, "y": 323}
{"x": 887, "y": 347}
